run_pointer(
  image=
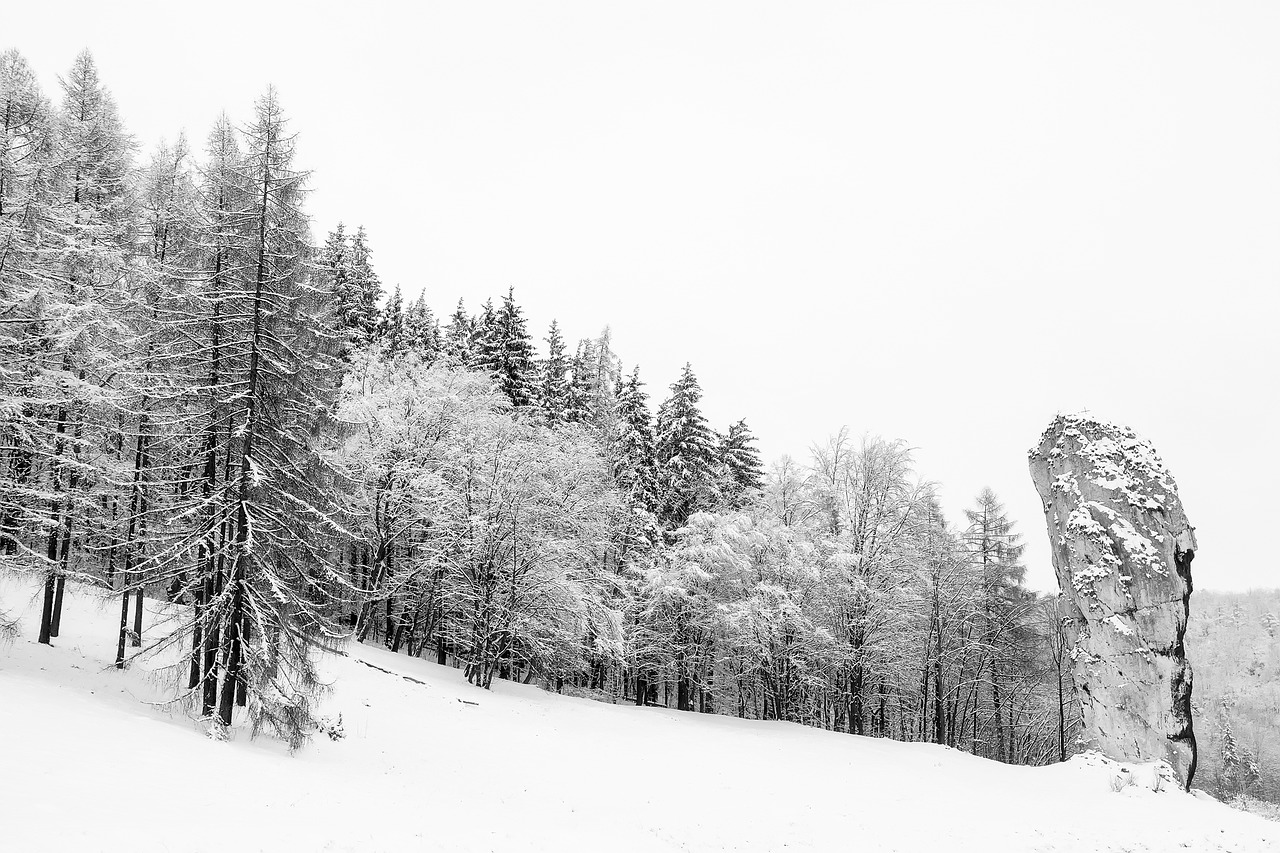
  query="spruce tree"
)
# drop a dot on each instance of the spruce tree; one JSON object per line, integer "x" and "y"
{"x": 390, "y": 331}
{"x": 633, "y": 445}
{"x": 421, "y": 331}
{"x": 333, "y": 272}
{"x": 484, "y": 342}
{"x": 366, "y": 289}
{"x": 553, "y": 383}
{"x": 684, "y": 451}
{"x": 512, "y": 353}
{"x": 455, "y": 344}
{"x": 583, "y": 375}
{"x": 740, "y": 461}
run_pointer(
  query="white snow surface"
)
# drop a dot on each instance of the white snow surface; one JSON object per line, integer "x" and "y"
{"x": 90, "y": 765}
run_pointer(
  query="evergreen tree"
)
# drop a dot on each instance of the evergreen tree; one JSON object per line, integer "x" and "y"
{"x": 83, "y": 293}
{"x": 512, "y": 353}
{"x": 484, "y": 341}
{"x": 214, "y": 359}
{"x": 455, "y": 344}
{"x": 740, "y": 461}
{"x": 273, "y": 595}
{"x": 366, "y": 290}
{"x": 150, "y": 413}
{"x": 1006, "y": 608}
{"x": 422, "y": 332}
{"x": 333, "y": 268}
{"x": 27, "y": 125}
{"x": 684, "y": 451}
{"x": 634, "y": 472}
{"x": 634, "y": 469}
{"x": 583, "y": 376}
{"x": 391, "y": 326}
{"x": 553, "y": 383}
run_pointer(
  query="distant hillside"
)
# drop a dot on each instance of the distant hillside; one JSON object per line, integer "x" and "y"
{"x": 1233, "y": 641}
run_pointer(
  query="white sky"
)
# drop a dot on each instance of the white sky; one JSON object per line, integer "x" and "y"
{"x": 936, "y": 221}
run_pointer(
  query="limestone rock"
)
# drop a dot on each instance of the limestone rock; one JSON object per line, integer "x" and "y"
{"x": 1122, "y": 549}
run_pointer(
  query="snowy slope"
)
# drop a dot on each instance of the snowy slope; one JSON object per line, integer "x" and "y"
{"x": 90, "y": 765}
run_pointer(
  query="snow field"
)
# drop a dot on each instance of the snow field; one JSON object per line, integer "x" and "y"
{"x": 91, "y": 765}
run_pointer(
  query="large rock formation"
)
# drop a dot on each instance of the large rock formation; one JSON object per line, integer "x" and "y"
{"x": 1122, "y": 548}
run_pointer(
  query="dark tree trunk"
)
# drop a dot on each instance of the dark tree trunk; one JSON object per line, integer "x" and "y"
{"x": 59, "y": 588}
{"x": 135, "y": 639}
{"x": 46, "y": 611}
{"x": 242, "y": 684}
{"x": 124, "y": 629}
{"x": 212, "y": 640}
{"x": 235, "y": 622}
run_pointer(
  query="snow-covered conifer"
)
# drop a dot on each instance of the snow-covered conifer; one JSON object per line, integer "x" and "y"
{"x": 684, "y": 452}
{"x": 744, "y": 472}
{"x": 421, "y": 330}
{"x": 511, "y": 353}
{"x": 553, "y": 383}
{"x": 390, "y": 330}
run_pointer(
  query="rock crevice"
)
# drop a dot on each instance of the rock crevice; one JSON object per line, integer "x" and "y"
{"x": 1122, "y": 549}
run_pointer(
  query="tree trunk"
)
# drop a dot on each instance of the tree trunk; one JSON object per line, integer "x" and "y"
{"x": 59, "y": 588}
{"x": 235, "y": 621}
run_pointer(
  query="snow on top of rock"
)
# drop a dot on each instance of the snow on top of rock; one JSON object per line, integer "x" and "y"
{"x": 1122, "y": 460}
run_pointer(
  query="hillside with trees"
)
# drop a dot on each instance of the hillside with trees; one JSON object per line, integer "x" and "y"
{"x": 203, "y": 403}
{"x": 1233, "y": 643}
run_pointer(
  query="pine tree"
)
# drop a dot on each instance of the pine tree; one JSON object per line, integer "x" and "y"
{"x": 553, "y": 383}
{"x": 634, "y": 472}
{"x": 212, "y": 322}
{"x": 366, "y": 290}
{"x": 583, "y": 375}
{"x": 634, "y": 469}
{"x": 422, "y": 332}
{"x": 27, "y": 135}
{"x": 266, "y": 539}
{"x": 390, "y": 328}
{"x": 740, "y": 460}
{"x": 512, "y": 353}
{"x": 151, "y": 411}
{"x": 333, "y": 270}
{"x": 85, "y": 286}
{"x": 455, "y": 344}
{"x": 1005, "y": 608}
{"x": 684, "y": 450}
{"x": 484, "y": 342}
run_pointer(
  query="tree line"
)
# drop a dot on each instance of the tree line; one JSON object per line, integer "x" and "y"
{"x": 200, "y": 405}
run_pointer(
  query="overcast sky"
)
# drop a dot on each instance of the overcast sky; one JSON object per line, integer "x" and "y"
{"x": 942, "y": 222}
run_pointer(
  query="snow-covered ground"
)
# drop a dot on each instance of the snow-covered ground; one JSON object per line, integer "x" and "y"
{"x": 89, "y": 765}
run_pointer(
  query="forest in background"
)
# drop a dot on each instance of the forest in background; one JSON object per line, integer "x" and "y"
{"x": 198, "y": 402}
